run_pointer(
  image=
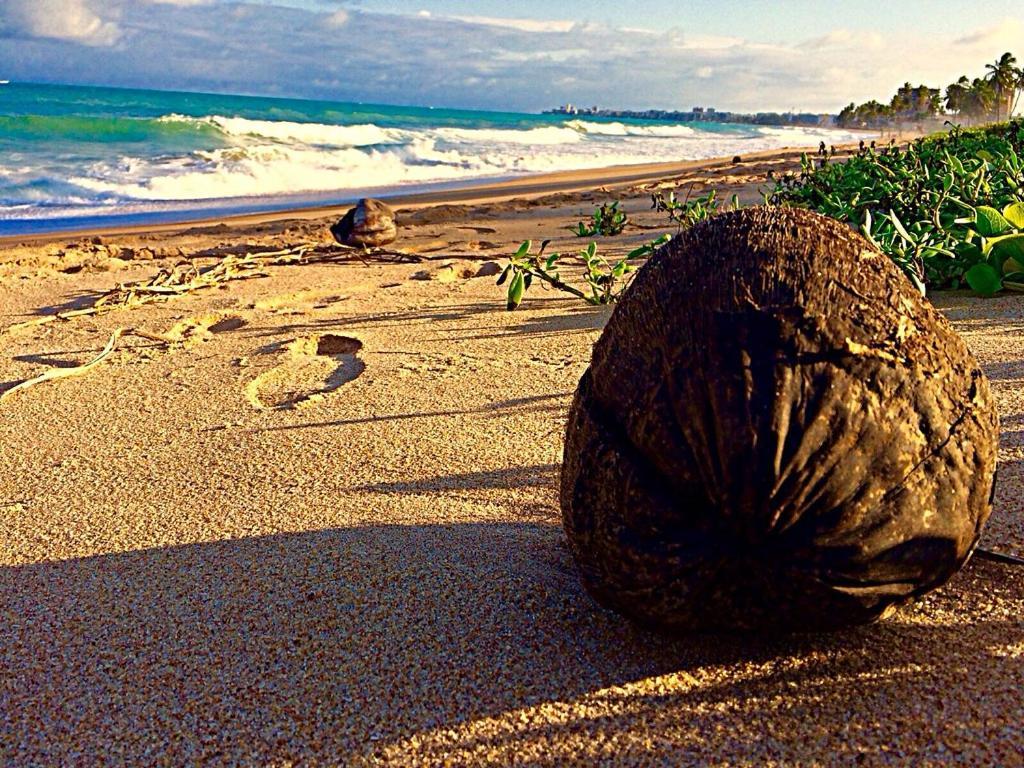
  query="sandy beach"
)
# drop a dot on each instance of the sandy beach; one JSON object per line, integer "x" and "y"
{"x": 320, "y": 525}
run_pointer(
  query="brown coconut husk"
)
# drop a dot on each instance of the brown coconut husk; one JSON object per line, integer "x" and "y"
{"x": 776, "y": 431}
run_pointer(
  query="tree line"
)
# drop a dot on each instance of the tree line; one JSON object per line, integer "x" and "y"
{"x": 990, "y": 98}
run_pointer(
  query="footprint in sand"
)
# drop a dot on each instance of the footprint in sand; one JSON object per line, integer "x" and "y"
{"x": 196, "y": 330}
{"x": 314, "y": 366}
{"x": 457, "y": 269}
{"x": 299, "y": 302}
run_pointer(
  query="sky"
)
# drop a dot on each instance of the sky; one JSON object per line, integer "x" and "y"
{"x": 523, "y": 55}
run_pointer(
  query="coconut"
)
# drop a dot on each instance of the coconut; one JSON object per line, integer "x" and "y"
{"x": 371, "y": 224}
{"x": 776, "y": 431}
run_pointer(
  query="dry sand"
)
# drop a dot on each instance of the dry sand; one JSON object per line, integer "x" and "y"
{"x": 323, "y": 528}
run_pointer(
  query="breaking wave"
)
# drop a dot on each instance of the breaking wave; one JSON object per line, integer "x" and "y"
{"x": 134, "y": 162}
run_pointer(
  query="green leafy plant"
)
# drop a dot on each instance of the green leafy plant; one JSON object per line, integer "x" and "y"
{"x": 947, "y": 209}
{"x": 606, "y": 221}
{"x": 601, "y": 281}
{"x": 687, "y": 212}
{"x": 1001, "y": 240}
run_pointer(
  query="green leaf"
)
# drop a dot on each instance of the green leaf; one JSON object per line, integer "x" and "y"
{"x": 524, "y": 249}
{"x": 504, "y": 274}
{"x": 1014, "y": 213}
{"x": 984, "y": 279}
{"x": 899, "y": 227}
{"x": 990, "y": 222}
{"x": 551, "y": 261}
{"x": 969, "y": 252}
{"x": 515, "y": 291}
{"x": 1012, "y": 267}
{"x": 1009, "y": 248}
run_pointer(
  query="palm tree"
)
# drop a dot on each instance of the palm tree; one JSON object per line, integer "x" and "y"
{"x": 1018, "y": 90}
{"x": 1005, "y": 77}
{"x": 980, "y": 99}
{"x": 956, "y": 95}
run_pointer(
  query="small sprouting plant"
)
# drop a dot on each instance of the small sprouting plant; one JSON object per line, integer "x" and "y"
{"x": 603, "y": 280}
{"x": 686, "y": 212}
{"x": 606, "y": 221}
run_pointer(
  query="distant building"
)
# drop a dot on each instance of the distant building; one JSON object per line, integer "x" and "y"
{"x": 697, "y": 114}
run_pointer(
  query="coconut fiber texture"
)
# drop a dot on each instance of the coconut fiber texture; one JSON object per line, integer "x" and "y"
{"x": 776, "y": 432}
{"x": 371, "y": 224}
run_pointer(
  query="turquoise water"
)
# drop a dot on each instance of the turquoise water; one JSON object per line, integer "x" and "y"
{"x": 74, "y": 156}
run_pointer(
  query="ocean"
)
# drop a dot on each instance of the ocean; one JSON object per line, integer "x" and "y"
{"x": 76, "y": 157}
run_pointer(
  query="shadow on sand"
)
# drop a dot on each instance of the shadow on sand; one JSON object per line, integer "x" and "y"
{"x": 342, "y": 644}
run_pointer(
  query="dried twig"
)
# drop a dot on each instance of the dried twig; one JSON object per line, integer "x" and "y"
{"x": 183, "y": 279}
{"x": 64, "y": 373}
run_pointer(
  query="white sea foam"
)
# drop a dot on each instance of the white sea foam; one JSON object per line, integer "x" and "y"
{"x": 365, "y": 135}
{"x": 622, "y": 129}
{"x": 547, "y": 136}
{"x": 267, "y": 159}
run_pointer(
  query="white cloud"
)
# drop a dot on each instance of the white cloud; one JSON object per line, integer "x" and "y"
{"x": 1008, "y": 34}
{"x": 73, "y": 20}
{"x": 521, "y": 25}
{"x": 844, "y": 39}
{"x": 557, "y": 55}
{"x": 338, "y": 19}
{"x": 1008, "y": 30}
{"x": 275, "y": 46}
{"x": 704, "y": 42}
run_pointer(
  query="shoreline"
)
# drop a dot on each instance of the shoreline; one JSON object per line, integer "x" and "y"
{"x": 473, "y": 192}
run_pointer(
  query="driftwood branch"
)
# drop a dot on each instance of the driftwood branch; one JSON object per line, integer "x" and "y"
{"x": 183, "y": 279}
{"x": 180, "y": 280}
{"x": 64, "y": 373}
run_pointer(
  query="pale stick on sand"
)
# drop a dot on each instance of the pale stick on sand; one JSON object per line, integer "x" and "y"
{"x": 65, "y": 373}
